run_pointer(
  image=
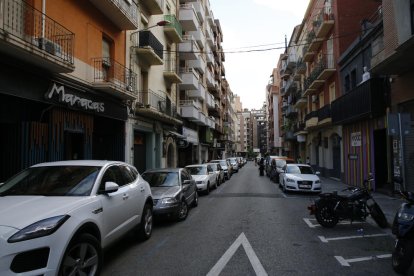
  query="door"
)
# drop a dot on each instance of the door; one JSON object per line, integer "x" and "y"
{"x": 190, "y": 190}
{"x": 74, "y": 146}
{"x": 140, "y": 153}
{"x": 380, "y": 158}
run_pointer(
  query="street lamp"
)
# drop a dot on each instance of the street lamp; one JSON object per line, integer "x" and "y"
{"x": 159, "y": 23}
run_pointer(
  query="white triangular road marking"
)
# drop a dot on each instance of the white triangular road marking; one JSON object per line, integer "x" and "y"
{"x": 241, "y": 240}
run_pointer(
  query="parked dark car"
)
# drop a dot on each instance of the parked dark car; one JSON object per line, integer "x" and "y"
{"x": 173, "y": 191}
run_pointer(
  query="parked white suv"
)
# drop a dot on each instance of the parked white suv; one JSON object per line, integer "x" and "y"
{"x": 55, "y": 218}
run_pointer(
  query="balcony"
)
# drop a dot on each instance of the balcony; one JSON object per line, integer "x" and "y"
{"x": 308, "y": 55}
{"x": 291, "y": 112}
{"x": 124, "y": 14}
{"x": 148, "y": 48}
{"x": 174, "y": 30}
{"x": 199, "y": 93}
{"x": 198, "y": 37}
{"x": 29, "y": 35}
{"x": 170, "y": 71}
{"x": 114, "y": 78}
{"x": 311, "y": 119}
{"x": 323, "y": 23}
{"x": 367, "y": 100}
{"x": 190, "y": 79}
{"x": 300, "y": 67}
{"x": 189, "y": 49}
{"x": 189, "y": 110}
{"x": 210, "y": 37}
{"x": 314, "y": 43}
{"x": 209, "y": 100}
{"x": 323, "y": 70}
{"x": 188, "y": 17}
{"x": 324, "y": 115}
{"x": 153, "y": 6}
{"x": 301, "y": 101}
{"x": 289, "y": 136}
{"x": 209, "y": 56}
{"x": 299, "y": 129}
{"x": 198, "y": 64}
{"x": 157, "y": 106}
{"x": 199, "y": 8}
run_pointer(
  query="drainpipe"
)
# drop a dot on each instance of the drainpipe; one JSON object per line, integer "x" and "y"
{"x": 43, "y": 17}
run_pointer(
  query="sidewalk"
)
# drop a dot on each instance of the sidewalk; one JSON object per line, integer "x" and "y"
{"x": 388, "y": 204}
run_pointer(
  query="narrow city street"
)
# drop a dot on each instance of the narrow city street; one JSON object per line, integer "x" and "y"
{"x": 248, "y": 226}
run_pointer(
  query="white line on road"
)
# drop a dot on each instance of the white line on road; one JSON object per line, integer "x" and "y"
{"x": 323, "y": 239}
{"x": 308, "y": 221}
{"x": 222, "y": 262}
{"x": 347, "y": 262}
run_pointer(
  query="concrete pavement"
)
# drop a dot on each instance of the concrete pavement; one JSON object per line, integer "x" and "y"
{"x": 388, "y": 204}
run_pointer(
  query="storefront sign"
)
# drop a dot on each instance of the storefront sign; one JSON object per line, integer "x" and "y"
{"x": 356, "y": 139}
{"x": 73, "y": 100}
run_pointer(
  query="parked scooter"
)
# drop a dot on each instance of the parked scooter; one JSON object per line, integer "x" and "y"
{"x": 403, "y": 229}
{"x": 331, "y": 208}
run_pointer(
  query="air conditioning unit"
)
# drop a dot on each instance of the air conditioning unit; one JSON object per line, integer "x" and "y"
{"x": 315, "y": 98}
{"x": 49, "y": 46}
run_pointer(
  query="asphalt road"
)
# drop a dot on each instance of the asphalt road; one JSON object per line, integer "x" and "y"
{"x": 248, "y": 226}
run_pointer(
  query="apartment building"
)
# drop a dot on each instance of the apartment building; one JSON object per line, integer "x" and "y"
{"x": 392, "y": 57}
{"x": 273, "y": 101}
{"x": 310, "y": 80}
{"x": 259, "y": 129}
{"x": 64, "y": 84}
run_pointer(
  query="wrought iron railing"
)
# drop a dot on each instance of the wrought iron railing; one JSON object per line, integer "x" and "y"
{"x": 23, "y": 21}
{"x": 108, "y": 70}
{"x": 312, "y": 114}
{"x": 129, "y": 9}
{"x": 157, "y": 101}
{"x": 324, "y": 112}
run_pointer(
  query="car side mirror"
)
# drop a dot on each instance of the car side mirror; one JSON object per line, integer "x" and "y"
{"x": 187, "y": 182}
{"x": 317, "y": 173}
{"x": 110, "y": 187}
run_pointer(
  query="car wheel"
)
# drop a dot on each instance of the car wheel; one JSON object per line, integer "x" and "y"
{"x": 182, "y": 211}
{"x": 145, "y": 227}
{"x": 195, "y": 200}
{"x": 82, "y": 257}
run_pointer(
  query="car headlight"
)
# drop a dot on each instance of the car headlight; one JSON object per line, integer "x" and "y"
{"x": 317, "y": 181}
{"x": 405, "y": 216}
{"x": 290, "y": 180}
{"x": 169, "y": 201}
{"x": 39, "y": 229}
{"x": 199, "y": 182}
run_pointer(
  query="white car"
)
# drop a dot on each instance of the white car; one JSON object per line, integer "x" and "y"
{"x": 219, "y": 172}
{"x": 299, "y": 177}
{"x": 204, "y": 176}
{"x": 56, "y": 218}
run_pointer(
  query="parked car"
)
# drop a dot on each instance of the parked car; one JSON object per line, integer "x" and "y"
{"x": 173, "y": 191}
{"x": 299, "y": 177}
{"x": 204, "y": 176}
{"x": 57, "y": 217}
{"x": 234, "y": 164}
{"x": 219, "y": 172}
{"x": 225, "y": 165}
{"x": 278, "y": 162}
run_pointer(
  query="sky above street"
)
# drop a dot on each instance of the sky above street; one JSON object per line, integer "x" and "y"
{"x": 253, "y": 38}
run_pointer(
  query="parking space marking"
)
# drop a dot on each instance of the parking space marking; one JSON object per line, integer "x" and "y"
{"x": 347, "y": 262}
{"x": 308, "y": 221}
{"x": 323, "y": 239}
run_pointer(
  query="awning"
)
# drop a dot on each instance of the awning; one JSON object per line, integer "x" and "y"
{"x": 176, "y": 134}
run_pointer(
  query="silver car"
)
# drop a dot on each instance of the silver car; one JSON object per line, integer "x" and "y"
{"x": 225, "y": 165}
{"x": 219, "y": 172}
{"x": 173, "y": 191}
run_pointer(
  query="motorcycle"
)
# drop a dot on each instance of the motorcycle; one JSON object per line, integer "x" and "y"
{"x": 331, "y": 208}
{"x": 403, "y": 229}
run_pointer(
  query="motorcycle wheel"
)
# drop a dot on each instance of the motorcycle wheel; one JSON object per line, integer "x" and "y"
{"x": 402, "y": 255}
{"x": 378, "y": 215}
{"x": 325, "y": 215}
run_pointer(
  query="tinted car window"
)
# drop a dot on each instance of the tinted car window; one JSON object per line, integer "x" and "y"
{"x": 184, "y": 176}
{"x": 127, "y": 174}
{"x": 113, "y": 174}
{"x": 161, "y": 179}
{"x": 197, "y": 170}
{"x": 52, "y": 181}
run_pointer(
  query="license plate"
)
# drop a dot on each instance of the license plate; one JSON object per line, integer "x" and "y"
{"x": 305, "y": 186}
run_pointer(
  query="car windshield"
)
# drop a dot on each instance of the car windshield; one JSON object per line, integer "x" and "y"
{"x": 161, "y": 179}
{"x": 197, "y": 170}
{"x": 299, "y": 170}
{"x": 280, "y": 163}
{"x": 52, "y": 181}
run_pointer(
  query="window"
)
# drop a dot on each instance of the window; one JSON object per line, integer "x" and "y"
{"x": 347, "y": 83}
{"x": 353, "y": 79}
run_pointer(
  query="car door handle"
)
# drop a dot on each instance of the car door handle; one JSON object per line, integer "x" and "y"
{"x": 125, "y": 196}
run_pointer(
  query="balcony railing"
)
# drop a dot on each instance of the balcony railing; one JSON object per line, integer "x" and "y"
{"x": 170, "y": 71}
{"x": 324, "y": 112}
{"x": 174, "y": 30}
{"x": 122, "y": 13}
{"x": 157, "y": 102}
{"x": 148, "y": 46}
{"x": 114, "y": 78}
{"x": 324, "y": 22}
{"x": 25, "y": 26}
{"x": 366, "y": 100}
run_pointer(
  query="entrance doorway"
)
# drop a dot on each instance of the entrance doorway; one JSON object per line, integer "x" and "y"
{"x": 74, "y": 145}
{"x": 140, "y": 152}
